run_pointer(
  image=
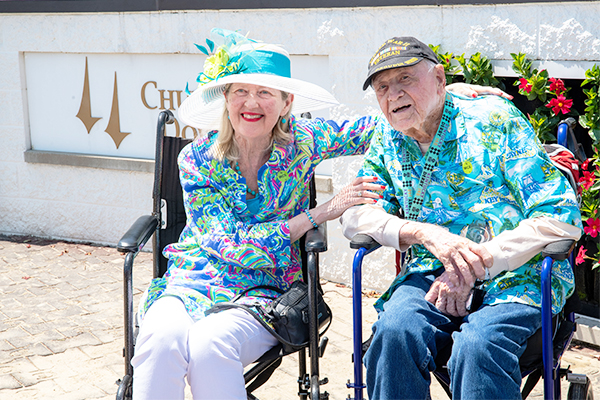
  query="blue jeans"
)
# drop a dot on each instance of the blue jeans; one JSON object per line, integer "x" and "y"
{"x": 486, "y": 346}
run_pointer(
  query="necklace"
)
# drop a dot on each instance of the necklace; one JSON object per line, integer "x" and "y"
{"x": 250, "y": 191}
{"x": 412, "y": 205}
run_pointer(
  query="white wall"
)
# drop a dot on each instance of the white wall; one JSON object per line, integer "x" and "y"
{"x": 98, "y": 205}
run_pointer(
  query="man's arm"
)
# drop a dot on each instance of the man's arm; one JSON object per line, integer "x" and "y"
{"x": 513, "y": 248}
{"x": 464, "y": 259}
{"x": 510, "y": 250}
{"x": 373, "y": 220}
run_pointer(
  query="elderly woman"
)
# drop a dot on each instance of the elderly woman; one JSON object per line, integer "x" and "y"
{"x": 246, "y": 194}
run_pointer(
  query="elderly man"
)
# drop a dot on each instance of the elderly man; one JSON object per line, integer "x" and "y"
{"x": 480, "y": 199}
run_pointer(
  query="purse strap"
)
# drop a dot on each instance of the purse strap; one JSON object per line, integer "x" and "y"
{"x": 227, "y": 305}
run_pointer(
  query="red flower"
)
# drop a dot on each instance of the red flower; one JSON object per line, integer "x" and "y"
{"x": 593, "y": 227}
{"x": 525, "y": 85}
{"x": 556, "y": 85}
{"x": 585, "y": 165}
{"x": 587, "y": 180}
{"x": 560, "y": 104}
{"x": 580, "y": 255}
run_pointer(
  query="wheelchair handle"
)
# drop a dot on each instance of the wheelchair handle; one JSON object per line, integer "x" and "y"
{"x": 559, "y": 250}
{"x": 363, "y": 241}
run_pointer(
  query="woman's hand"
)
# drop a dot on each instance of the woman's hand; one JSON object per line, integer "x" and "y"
{"x": 468, "y": 90}
{"x": 464, "y": 260}
{"x": 362, "y": 190}
{"x": 449, "y": 300}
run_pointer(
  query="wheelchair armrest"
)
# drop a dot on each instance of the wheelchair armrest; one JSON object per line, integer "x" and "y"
{"x": 366, "y": 241}
{"x": 138, "y": 234}
{"x": 316, "y": 239}
{"x": 559, "y": 250}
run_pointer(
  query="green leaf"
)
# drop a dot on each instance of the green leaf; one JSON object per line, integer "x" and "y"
{"x": 595, "y": 187}
{"x": 434, "y": 48}
{"x": 542, "y": 97}
{"x": 521, "y": 65}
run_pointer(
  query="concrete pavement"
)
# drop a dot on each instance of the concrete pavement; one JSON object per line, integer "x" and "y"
{"x": 61, "y": 326}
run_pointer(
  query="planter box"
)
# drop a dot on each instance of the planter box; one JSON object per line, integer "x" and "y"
{"x": 588, "y": 330}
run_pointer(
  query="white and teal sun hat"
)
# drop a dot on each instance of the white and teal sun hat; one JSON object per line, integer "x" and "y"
{"x": 243, "y": 60}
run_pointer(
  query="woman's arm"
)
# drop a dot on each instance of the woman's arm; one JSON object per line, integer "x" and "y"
{"x": 468, "y": 90}
{"x": 329, "y": 139}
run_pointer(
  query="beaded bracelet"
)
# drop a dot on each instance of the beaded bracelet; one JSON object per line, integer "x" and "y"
{"x": 310, "y": 218}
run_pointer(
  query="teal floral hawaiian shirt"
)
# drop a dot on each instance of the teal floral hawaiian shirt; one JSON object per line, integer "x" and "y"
{"x": 492, "y": 173}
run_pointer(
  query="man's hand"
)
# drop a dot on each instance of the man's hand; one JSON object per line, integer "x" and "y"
{"x": 464, "y": 260}
{"x": 450, "y": 301}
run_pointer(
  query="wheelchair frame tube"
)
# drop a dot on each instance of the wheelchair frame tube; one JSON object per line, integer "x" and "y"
{"x": 165, "y": 117}
{"x": 357, "y": 322}
{"x": 551, "y": 381}
{"x": 302, "y": 393}
{"x": 561, "y": 136}
{"x": 128, "y": 311}
{"x": 358, "y": 384}
{"x": 312, "y": 260}
{"x": 547, "y": 348}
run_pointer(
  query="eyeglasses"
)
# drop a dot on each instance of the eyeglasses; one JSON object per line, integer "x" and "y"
{"x": 261, "y": 93}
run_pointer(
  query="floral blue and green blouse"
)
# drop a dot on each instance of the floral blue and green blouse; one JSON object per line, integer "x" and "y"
{"x": 226, "y": 246}
{"x": 492, "y": 173}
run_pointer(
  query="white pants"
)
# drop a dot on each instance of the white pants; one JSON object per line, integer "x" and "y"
{"x": 212, "y": 352}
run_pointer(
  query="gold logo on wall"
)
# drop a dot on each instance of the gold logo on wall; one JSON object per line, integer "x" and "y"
{"x": 150, "y": 94}
{"x": 85, "y": 109}
{"x": 113, "y": 128}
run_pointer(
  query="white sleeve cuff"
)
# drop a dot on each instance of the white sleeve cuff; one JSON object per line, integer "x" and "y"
{"x": 391, "y": 234}
{"x": 500, "y": 260}
{"x": 374, "y": 221}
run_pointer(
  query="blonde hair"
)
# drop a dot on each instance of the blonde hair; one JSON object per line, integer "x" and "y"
{"x": 225, "y": 147}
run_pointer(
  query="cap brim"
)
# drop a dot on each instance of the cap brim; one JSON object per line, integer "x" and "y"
{"x": 204, "y": 107}
{"x": 397, "y": 62}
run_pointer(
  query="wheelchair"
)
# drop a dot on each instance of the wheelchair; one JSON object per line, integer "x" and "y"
{"x": 166, "y": 223}
{"x": 542, "y": 357}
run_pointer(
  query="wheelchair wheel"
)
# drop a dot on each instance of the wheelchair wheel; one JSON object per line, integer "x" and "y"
{"x": 580, "y": 391}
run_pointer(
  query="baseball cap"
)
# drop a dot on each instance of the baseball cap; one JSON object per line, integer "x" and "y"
{"x": 398, "y": 52}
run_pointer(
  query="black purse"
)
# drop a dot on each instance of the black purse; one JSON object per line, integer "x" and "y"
{"x": 287, "y": 313}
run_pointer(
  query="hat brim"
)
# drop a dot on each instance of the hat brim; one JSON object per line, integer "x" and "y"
{"x": 203, "y": 109}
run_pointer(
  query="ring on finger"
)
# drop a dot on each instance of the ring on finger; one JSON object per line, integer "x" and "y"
{"x": 359, "y": 194}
